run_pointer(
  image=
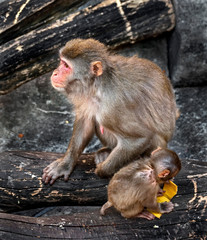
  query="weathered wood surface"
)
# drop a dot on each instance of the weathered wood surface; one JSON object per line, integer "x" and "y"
{"x": 87, "y": 223}
{"x": 110, "y": 21}
{"x": 20, "y": 17}
{"x": 21, "y": 186}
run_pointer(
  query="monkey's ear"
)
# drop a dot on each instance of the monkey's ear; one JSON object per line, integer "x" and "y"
{"x": 164, "y": 173}
{"x": 152, "y": 153}
{"x": 97, "y": 68}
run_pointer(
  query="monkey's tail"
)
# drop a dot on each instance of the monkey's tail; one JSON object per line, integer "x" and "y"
{"x": 104, "y": 207}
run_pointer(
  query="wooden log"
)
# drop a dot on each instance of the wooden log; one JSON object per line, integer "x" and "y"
{"x": 21, "y": 185}
{"x": 88, "y": 224}
{"x": 110, "y": 21}
{"x": 187, "y": 221}
{"x": 20, "y": 17}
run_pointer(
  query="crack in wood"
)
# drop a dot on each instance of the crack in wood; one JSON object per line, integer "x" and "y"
{"x": 20, "y": 10}
{"x": 195, "y": 191}
{"x": 200, "y": 198}
{"x": 127, "y": 23}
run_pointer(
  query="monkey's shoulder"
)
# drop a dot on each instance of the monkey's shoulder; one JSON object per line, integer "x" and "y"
{"x": 135, "y": 61}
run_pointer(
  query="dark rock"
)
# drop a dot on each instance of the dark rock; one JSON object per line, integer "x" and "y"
{"x": 153, "y": 49}
{"x": 39, "y": 115}
{"x": 36, "y": 117}
{"x": 190, "y": 138}
{"x": 188, "y": 44}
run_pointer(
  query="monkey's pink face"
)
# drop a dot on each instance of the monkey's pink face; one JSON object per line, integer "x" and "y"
{"x": 62, "y": 74}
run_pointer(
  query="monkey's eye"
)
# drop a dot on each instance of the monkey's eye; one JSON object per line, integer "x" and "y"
{"x": 65, "y": 64}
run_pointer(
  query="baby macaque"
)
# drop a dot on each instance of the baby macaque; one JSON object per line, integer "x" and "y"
{"x": 136, "y": 186}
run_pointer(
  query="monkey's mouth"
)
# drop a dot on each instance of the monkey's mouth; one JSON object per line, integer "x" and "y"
{"x": 57, "y": 84}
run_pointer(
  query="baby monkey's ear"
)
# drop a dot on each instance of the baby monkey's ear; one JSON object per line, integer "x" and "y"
{"x": 96, "y": 68}
{"x": 164, "y": 173}
{"x": 156, "y": 150}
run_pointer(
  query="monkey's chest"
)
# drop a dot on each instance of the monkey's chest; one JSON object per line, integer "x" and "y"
{"x": 107, "y": 137}
{"x": 87, "y": 109}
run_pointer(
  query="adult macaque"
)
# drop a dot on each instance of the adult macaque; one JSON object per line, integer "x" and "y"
{"x": 127, "y": 102}
{"x": 137, "y": 185}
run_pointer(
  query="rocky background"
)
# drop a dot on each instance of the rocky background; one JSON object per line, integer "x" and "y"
{"x": 34, "y": 117}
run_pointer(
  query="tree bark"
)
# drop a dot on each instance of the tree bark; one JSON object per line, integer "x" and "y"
{"x": 21, "y": 187}
{"x": 88, "y": 224}
{"x": 110, "y": 21}
{"x": 21, "y": 183}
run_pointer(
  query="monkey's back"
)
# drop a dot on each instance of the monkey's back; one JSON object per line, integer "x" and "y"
{"x": 129, "y": 187}
{"x": 147, "y": 93}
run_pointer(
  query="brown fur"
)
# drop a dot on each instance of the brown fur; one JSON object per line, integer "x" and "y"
{"x": 136, "y": 186}
{"x": 132, "y": 100}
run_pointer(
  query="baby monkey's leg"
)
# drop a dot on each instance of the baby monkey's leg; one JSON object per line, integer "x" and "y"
{"x": 146, "y": 214}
